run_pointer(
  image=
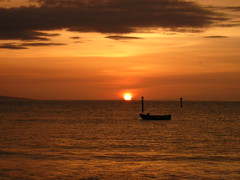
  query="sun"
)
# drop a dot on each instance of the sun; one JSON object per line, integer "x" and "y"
{"x": 127, "y": 97}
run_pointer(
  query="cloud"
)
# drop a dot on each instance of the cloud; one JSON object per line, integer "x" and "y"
{"x": 233, "y": 8}
{"x": 122, "y": 37}
{"x": 109, "y": 16}
{"x": 215, "y": 37}
{"x": 11, "y": 46}
{"x": 43, "y": 44}
{"x": 75, "y": 37}
{"x": 231, "y": 14}
{"x": 15, "y": 46}
{"x": 23, "y": 34}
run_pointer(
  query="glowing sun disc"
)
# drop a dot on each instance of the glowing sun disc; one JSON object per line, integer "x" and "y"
{"x": 127, "y": 97}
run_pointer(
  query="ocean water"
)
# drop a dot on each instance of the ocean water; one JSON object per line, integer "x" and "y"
{"x": 95, "y": 140}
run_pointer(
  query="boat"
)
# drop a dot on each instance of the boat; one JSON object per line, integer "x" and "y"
{"x": 153, "y": 117}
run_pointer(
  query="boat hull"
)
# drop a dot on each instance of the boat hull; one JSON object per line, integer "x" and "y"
{"x": 155, "y": 117}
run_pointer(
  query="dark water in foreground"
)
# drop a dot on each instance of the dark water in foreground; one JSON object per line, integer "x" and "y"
{"x": 107, "y": 140}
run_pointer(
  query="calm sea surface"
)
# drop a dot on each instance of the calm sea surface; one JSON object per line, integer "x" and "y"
{"x": 95, "y": 140}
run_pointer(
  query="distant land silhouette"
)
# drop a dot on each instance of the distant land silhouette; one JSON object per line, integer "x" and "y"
{"x": 12, "y": 98}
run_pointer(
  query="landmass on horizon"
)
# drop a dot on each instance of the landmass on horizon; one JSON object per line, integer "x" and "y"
{"x": 14, "y": 98}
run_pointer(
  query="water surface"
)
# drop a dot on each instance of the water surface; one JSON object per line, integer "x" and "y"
{"x": 108, "y": 140}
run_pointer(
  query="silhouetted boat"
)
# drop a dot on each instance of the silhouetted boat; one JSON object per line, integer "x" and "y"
{"x": 153, "y": 117}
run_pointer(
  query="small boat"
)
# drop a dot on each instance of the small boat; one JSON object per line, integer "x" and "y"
{"x": 153, "y": 117}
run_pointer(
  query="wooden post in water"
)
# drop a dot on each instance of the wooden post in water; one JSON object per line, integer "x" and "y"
{"x": 181, "y": 102}
{"x": 142, "y": 104}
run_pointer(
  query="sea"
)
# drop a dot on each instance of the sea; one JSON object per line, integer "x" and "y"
{"x": 107, "y": 140}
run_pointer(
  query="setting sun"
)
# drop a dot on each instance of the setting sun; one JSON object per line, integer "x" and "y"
{"x": 127, "y": 97}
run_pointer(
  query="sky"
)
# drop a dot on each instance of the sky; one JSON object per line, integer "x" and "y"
{"x": 101, "y": 49}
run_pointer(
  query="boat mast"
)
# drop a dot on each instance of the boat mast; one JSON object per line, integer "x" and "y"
{"x": 142, "y": 105}
{"x": 181, "y": 102}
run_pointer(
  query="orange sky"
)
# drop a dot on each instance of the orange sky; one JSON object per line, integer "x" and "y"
{"x": 163, "y": 50}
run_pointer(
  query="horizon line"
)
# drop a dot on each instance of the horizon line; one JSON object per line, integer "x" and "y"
{"x": 76, "y": 99}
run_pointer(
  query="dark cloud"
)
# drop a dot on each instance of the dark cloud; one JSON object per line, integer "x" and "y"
{"x": 215, "y": 37}
{"x": 231, "y": 15}
{"x": 11, "y": 46}
{"x": 230, "y": 24}
{"x": 43, "y": 44}
{"x": 122, "y": 37}
{"x": 75, "y": 37}
{"x": 24, "y": 34}
{"x": 15, "y": 46}
{"x": 107, "y": 16}
{"x": 233, "y": 8}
